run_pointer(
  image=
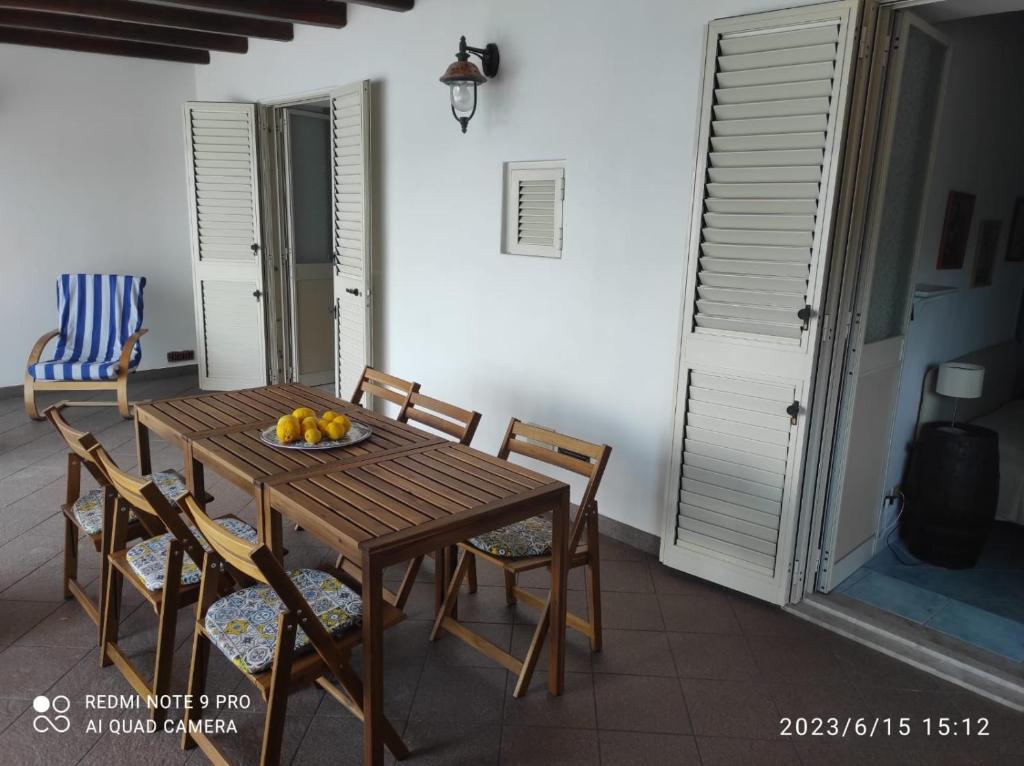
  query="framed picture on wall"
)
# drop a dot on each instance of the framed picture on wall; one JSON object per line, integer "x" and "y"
{"x": 985, "y": 253}
{"x": 1015, "y": 244}
{"x": 956, "y": 228}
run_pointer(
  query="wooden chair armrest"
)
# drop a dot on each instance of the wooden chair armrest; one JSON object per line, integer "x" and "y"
{"x": 37, "y": 350}
{"x": 126, "y": 352}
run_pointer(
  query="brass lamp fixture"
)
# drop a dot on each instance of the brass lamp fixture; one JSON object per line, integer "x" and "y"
{"x": 463, "y": 77}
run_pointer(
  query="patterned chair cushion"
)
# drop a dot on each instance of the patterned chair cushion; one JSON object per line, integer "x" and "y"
{"x": 88, "y": 509}
{"x": 148, "y": 559}
{"x": 531, "y": 537}
{"x": 243, "y": 625}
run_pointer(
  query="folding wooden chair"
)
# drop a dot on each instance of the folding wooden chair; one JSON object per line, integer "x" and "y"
{"x": 98, "y": 341}
{"x": 526, "y": 545}
{"x": 162, "y": 569}
{"x": 91, "y": 513}
{"x": 288, "y": 629}
{"x": 387, "y": 387}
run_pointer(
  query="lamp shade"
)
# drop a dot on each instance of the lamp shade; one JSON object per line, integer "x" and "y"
{"x": 960, "y": 381}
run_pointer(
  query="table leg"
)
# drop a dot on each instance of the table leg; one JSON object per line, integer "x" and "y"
{"x": 559, "y": 579}
{"x": 451, "y": 564}
{"x": 373, "y": 662}
{"x": 145, "y": 463}
{"x": 195, "y": 478}
{"x": 270, "y": 526}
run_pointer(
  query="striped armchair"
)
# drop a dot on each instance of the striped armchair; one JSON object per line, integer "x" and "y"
{"x": 97, "y": 342}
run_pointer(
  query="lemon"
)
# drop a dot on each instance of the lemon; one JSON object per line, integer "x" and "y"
{"x": 330, "y": 415}
{"x": 287, "y": 430}
{"x": 287, "y": 419}
{"x": 337, "y": 428}
{"x": 313, "y": 435}
{"x": 322, "y": 424}
{"x": 309, "y": 422}
{"x": 302, "y": 413}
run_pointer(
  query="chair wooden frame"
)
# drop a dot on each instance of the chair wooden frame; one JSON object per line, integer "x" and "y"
{"x": 330, "y": 656}
{"x": 387, "y": 387}
{"x": 119, "y": 385}
{"x": 575, "y": 455}
{"x": 80, "y": 446}
{"x": 149, "y": 502}
{"x": 461, "y": 425}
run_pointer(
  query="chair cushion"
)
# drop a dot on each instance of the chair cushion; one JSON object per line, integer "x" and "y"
{"x": 243, "y": 625}
{"x": 148, "y": 559}
{"x": 530, "y": 537}
{"x": 88, "y": 509}
{"x": 97, "y": 313}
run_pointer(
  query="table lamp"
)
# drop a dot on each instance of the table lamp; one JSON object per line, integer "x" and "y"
{"x": 958, "y": 380}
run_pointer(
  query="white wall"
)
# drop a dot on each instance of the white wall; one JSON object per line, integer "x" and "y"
{"x": 587, "y": 343}
{"x": 980, "y": 150}
{"x": 92, "y": 179}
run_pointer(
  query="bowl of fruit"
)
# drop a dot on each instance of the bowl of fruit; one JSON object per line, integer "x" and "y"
{"x": 302, "y": 429}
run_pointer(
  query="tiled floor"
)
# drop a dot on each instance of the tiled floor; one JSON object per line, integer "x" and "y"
{"x": 982, "y": 605}
{"x": 690, "y": 673}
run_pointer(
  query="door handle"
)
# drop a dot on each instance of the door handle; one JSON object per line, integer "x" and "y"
{"x": 255, "y": 248}
{"x": 257, "y": 294}
{"x": 793, "y": 411}
{"x": 353, "y": 291}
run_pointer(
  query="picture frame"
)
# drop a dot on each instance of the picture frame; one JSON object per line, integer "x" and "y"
{"x": 1015, "y": 242}
{"x": 985, "y": 253}
{"x": 956, "y": 230}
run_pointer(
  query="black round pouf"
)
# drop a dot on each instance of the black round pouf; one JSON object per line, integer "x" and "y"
{"x": 951, "y": 494}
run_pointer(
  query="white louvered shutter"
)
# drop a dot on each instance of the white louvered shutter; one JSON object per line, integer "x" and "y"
{"x": 772, "y": 121}
{"x": 227, "y": 272}
{"x": 534, "y": 195}
{"x": 350, "y": 183}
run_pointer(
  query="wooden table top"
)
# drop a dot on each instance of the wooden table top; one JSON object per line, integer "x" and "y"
{"x": 430, "y": 485}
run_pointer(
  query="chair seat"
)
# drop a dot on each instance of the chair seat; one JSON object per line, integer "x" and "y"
{"x": 530, "y": 537}
{"x": 88, "y": 509}
{"x": 77, "y": 369}
{"x": 148, "y": 559}
{"x": 243, "y": 625}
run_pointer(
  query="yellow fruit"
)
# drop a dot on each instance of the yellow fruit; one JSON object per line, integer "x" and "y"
{"x": 287, "y": 430}
{"x": 322, "y": 424}
{"x": 302, "y": 413}
{"x": 309, "y": 422}
{"x": 287, "y": 419}
{"x": 336, "y": 429}
{"x": 330, "y": 415}
{"x": 313, "y": 435}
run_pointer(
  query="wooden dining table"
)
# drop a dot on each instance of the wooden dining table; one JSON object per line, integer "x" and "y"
{"x": 400, "y": 494}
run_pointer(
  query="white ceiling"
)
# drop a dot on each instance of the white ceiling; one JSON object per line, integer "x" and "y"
{"x": 948, "y": 10}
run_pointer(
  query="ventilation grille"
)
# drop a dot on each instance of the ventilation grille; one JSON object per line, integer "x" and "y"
{"x": 534, "y": 196}
{"x": 224, "y": 176}
{"x": 771, "y": 115}
{"x": 735, "y": 453}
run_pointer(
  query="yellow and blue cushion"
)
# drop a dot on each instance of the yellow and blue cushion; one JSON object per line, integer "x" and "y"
{"x": 148, "y": 559}
{"x": 88, "y": 509}
{"x": 531, "y": 537}
{"x": 243, "y": 625}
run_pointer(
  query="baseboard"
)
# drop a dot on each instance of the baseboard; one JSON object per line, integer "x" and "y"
{"x": 637, "y": 538}
{"x": 10, "y": 392}
{"x": 981, "y": 672}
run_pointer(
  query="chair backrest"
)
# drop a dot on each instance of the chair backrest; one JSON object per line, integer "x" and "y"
{"x": 394, "y": 390}
{"x": 454, "y": 421}
{"x": 79, "y": 442}
{"x": 97, "y": 313}
{"x": 566, "y": 452}
{"x": 235, "y": 551}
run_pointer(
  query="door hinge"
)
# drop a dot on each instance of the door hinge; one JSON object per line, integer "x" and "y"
{"x": 334, "y": 310}
{"x": 337, "y": 263}
{"x": 865, "y": 43}
{"x": 793, "y": 411}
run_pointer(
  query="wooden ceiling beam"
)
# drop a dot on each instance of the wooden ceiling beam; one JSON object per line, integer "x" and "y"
{"x": 160, "y": 15}
{"x": 63, "y": 41}
{"x": 325, "y": 13}
{"x": 120, "y": 30}
{"x": 387, "y": 5}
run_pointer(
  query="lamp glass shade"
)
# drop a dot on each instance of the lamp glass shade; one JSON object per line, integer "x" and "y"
{"x": 960, "y": 381}
{"x": 463, "y": 96}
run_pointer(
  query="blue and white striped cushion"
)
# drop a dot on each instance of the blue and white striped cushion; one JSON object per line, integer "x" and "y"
{"x": 98, "y": 312}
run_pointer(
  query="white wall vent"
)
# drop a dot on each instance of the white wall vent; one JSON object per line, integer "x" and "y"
{"x": 534, "y": 194}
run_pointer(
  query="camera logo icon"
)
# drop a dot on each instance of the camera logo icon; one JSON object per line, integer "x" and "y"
{"x": 59, "y": 722}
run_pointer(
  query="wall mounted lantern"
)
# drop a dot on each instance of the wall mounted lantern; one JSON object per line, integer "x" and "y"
{"x": 463, "y": 77}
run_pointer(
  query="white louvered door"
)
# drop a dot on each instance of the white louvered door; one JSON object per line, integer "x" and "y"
{"x": 353, "y": 294}
{"x": 772, "y": 117}
{"x": 227, "y": 271}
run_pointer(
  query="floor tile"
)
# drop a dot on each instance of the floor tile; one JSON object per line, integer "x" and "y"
{"x": 68, "y": 625}
{"x": 431, "y": 745}
{"x": 578, "y": 655}
{"x": 640, "y": 703}
{"x": 634, "y": 652}
{"x": 896, "y": 596}
{"x": 627, "y": 576}
{"x": 719, "y": 751}
{"x": 785, "y": 659}
{"x": 525, "y": 746}
{"x": 668, "y": 580}
{"x": 756, "y": 618}
{"x": 703, "y": 655}
{"x": 450, "y": 651}
{"x": 27, "y": 671}
{"x": 731, "y": 708}
{"x": 631, "y": 611}
{"x": 698, "y": 614}
{"x": 976, "y": 626}
{"x": 573, "y": 709}
{"x": 20, "y": 617}
{"x": 466, "y": 695}
{"x": 627, "y": 748}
